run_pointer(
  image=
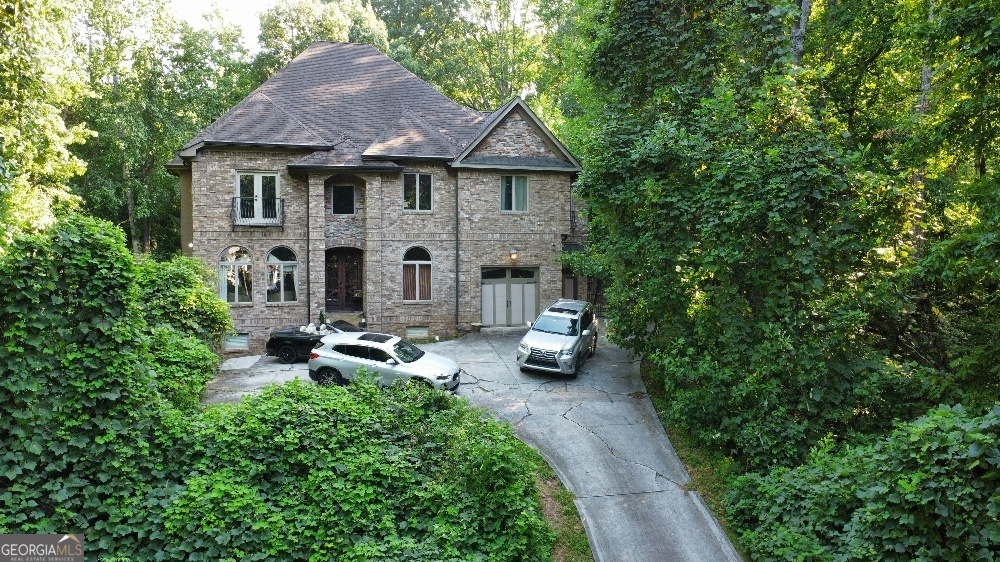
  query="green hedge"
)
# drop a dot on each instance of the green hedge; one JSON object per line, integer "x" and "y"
{"x": 928, "y": 491}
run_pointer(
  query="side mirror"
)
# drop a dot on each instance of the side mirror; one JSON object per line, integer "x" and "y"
{"x": 587, "y": 333}
{"x": 391, "y": 361}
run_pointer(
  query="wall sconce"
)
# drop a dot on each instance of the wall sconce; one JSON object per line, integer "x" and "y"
{"x": 513, "y": 254}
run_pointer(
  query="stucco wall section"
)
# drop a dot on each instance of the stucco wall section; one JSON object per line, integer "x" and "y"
{"x": 514, "y": 136}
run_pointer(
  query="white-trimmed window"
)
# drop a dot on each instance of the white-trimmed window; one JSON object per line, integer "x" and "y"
{"x": 418, "y": 192}
{"x": 257, "y": 198}
{"x": 514, "y": 193}
{"x": 417, "y": 275}
{"x": 235, "y": 278}
{"x": 282, "y": 275}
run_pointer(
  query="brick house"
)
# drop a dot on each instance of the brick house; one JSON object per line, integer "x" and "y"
{"x": 347, "y": 185}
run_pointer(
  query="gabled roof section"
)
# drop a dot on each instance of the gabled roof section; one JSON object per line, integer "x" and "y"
{"x": 411, "y": 136}
{"x": 514, "y": 138}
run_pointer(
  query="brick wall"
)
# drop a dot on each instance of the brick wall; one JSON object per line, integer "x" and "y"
{"x": 384, "y": 231}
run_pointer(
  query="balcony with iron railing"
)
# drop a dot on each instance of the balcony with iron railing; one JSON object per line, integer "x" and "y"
{"x": 258, "y": 211}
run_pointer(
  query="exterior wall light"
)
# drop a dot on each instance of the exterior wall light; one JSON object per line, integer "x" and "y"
{"x": 513, "y": 254}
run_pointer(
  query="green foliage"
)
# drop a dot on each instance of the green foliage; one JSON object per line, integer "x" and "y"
{"x": 181, "y": 365}
{"x": 76, "y": 398}
{"x": 298, "y": 472}
{"x": 292, "y": 25}
{"x": 36, "y": 86}
{"x": 928, "y": 491}
{"x": 356, "y": 473}
{"x": 180, "y": 294}
{"x": 154, "y": 83}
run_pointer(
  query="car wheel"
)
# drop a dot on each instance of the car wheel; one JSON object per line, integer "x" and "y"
{"x": 286, "y": 354}
{"x": 329, "y": 375}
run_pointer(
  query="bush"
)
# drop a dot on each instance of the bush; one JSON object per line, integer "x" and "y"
{"x": 356, "y": 473}
{"x": 88, "y": 445}
{"x": 926, "y": 492}
{"x": 180, "y": 293}
{"x": 181, "y": 365}
{"x": 75, "y": 421}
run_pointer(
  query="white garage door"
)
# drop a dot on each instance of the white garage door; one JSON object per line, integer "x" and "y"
{"x": 510, "y": 296}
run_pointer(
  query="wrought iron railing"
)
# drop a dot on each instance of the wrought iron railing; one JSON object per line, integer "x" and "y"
{"x": 258, "y": 211}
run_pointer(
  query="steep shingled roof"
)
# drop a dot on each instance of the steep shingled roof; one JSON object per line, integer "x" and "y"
{"x": 336, "y": 92}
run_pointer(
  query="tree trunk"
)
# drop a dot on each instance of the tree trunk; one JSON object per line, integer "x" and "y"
{"x": 133, "y": 228}
{"x": 923, "y": 107}
{"x": 799, "y": 31}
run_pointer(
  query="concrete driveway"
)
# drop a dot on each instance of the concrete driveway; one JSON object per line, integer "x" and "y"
{"x": 598, "y": 431}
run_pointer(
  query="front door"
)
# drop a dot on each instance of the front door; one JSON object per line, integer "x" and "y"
{"x": 344, "y": 280}
{"x": 510, "y": 296}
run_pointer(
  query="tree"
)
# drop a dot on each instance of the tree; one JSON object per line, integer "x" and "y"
{"x": 292, "y": 25}
{"x": 154, "y": 84}
{"x": 37, "y": 82}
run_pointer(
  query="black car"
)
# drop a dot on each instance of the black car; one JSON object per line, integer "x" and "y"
{"x": 292, "y": 344}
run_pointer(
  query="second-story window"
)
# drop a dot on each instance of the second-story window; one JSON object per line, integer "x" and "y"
{"x": 514, "y": 193}
{"x": 257, "y": 195}
{"x": 417, "y": 194}
{"x": 342, "y": 200}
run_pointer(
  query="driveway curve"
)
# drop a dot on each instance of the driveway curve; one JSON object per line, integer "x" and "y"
{"x": 601, "y": 435}
{"x": 598, "y": 431}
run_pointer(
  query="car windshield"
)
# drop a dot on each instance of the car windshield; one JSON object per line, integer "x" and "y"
{"x": 407, "y": 352}
{"x": 556, "y": 325}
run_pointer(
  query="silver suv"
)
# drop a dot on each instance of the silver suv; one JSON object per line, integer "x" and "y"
{"x": 562, "y": 336}
{"x": 338, "y": 356}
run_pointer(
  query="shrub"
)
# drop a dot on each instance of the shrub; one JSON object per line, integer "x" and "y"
{"x": 926, "y": 492}
{"x": 181, "y": 365}
{"x": 75, "y": 420}
{"x": 179, "y": 293}
{"x": 356, "y": 473}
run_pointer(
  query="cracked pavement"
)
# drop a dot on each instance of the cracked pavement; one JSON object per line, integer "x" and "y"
{"x": 601, "y": 435}
{"x": 599, "y": 432}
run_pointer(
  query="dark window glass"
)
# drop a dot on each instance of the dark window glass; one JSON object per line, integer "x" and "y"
{"x": 342, "y": 200}
{"x": 518, "y": 273}
{"x": 494, "y": 273}
{"x": 417, "y": 192}
{"x": 417, "y": 254}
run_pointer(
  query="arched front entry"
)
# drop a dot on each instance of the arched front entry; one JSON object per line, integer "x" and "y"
{"x": 344, "y": 280}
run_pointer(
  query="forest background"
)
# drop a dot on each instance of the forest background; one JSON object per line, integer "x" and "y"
{"x": 793, "y": 208}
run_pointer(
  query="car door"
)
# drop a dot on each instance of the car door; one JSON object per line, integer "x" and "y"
{"x": 351, "y": 357}
{"x": 382, "y": 362}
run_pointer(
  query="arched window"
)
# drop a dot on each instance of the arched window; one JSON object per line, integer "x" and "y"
{"x": 416, "y": 275}
{"x": 235, "y": 280}
{"x": 282, "y": 275}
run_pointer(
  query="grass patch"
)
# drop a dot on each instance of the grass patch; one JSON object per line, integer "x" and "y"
{"x": 558, "y": 509}
{"x": 710, "y": 469}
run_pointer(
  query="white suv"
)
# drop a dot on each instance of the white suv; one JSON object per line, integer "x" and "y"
{"x": 562, "y": 336}
{"x": 338, "y": 356}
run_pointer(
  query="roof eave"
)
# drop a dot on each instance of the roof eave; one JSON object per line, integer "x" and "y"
{"x": 462, "y": 165}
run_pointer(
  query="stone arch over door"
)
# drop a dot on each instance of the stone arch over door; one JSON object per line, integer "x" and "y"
{"x": 344, "y": 279}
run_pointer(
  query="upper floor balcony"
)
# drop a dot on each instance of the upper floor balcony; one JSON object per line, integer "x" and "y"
{"x": 258, "y": 211}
